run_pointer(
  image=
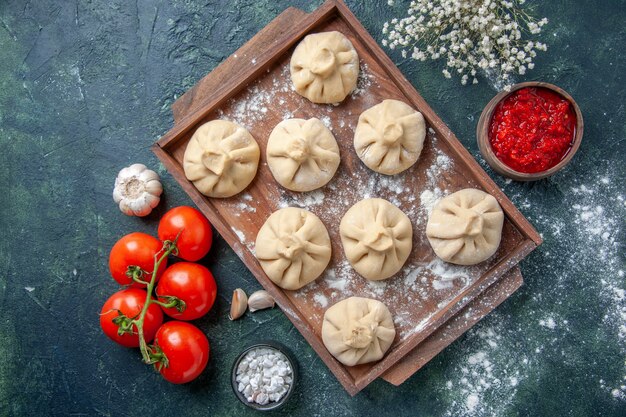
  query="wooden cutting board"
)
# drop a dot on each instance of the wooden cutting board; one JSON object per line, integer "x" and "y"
{"x": 237, "y": 90}
{"x": 443, "y": 336}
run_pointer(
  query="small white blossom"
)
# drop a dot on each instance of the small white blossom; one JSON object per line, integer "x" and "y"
{"x": 471, "y": 35}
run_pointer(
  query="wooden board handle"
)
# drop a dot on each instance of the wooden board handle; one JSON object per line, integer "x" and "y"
{"x": 232, "y": 67}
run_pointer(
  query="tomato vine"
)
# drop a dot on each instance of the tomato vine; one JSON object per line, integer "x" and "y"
{"x": 149, "y": 354}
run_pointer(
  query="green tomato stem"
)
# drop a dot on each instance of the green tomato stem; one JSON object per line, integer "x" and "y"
{"x": 168, "y": 248}
{"x": 170, "y": 302}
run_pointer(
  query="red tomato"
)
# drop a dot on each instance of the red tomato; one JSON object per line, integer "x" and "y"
{"x": 186, "y": 349}
{"x": 196, "y": 237}
{"x": 192, "y": 283}
{"x": 135, "y": 249}
{"x": 130, "y": 302}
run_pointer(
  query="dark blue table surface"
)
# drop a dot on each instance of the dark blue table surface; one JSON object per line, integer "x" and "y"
{"x": 86, "y": 88}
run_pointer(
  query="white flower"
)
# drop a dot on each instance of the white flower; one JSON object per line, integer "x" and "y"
{"x": 472, "y": 35}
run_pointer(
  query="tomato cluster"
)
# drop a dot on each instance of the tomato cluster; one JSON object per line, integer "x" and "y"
{"x": 183, "y": 291}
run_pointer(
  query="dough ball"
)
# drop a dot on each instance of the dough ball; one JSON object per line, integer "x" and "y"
{"x": 389, "y": 137}
{"x": 324, "y": 67}
{"x": 465, "y": 227}
{"x": 358, "y": 330}
{"x": 293, "y": 247}
{"x": 221, "y": 158}
{"x": 302, "y": 154}
{"x": 377, "y": 238}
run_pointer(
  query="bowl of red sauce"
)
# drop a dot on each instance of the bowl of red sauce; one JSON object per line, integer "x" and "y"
{"x": 531, "y": 131}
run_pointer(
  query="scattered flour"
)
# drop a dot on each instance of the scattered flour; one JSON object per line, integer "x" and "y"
{"x": 321, "y": 300}
{"x": 251, "y": 107}
{"x": 484, "y": 376}
{"x": 304, "y": 200}
{"x": 243, "y": 207}
{"x": 364, "y": 82}
{"x": 591, "y": 219}
{"x": 549, "y": 323}
{"x": 333, "y": 282}
{"x": 429, "y": 198}
{"x": 420, "y": 281}
{"x": 484, "y": 372}
{"x": 471, "y": 402}
{"x": 240, "y": 234}
{"x": 327, "y": 122}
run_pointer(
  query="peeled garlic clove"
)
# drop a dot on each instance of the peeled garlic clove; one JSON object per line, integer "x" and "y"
{"x": 239, "y": 304}
{"x": 260, "y": 300}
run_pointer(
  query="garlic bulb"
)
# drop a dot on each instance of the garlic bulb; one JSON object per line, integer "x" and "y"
{"x": 137, "y": 190}
{"x": 260, "y": 300}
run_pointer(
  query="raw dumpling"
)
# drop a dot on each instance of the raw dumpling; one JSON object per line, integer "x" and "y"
{"x": 221, "y": 158}
{"x": 465, "y": 227}
{"x": 358, "y": 330}
{"x": 325, "y": 67}
{"x": 302, "y": 154}
{"x": 293, "y": 247}
{"x": 377, "y": 238}
{"x": 389, "y": 137}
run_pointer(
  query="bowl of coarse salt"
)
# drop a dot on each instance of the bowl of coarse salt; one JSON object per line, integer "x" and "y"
{"x": 264, "y": 375}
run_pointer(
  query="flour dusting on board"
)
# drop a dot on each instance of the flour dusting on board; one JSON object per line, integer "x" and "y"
{"x": 252, "y": 105}
{"x": 424, "y": 283}
{"x": 418, "y": 281}
{"x": 364, "y": 82}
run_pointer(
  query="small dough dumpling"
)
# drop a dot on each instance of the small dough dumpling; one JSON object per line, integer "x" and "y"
{"x": 302, "y": 154}
{"x": 358, "y": 330}
{"x": 377, "y": 238}
{"x": 221, "y": 158}
{"x": 465, "y": 227}
{"x": 389, "y": 137}
{"x": 293, "y": 247}
{"x": 325, "y": 67}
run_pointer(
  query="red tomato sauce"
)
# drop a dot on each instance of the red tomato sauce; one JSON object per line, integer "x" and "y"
{"x": 532, "y": 129}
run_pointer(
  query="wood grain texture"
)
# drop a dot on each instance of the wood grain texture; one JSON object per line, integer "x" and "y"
{"x": 239, "y": 229}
